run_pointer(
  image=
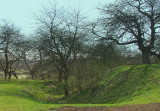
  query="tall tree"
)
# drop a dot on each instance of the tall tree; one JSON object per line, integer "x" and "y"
{"x": 132, "y": 22}
{"x": 61, "y": 29}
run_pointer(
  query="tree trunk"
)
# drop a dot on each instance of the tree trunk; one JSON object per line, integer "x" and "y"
{"x": 66, "y": 92}
{"x": 6, "y": 60}
{"x": 9, "y": 77}
{"x": 6, "y": 66}
{"x": 5, "y": 74}
{"x": 32, "y": 73}
{"x": 60, "y": 76}
{"x": 15, "y": 75}
{"x": 146, "y": 57}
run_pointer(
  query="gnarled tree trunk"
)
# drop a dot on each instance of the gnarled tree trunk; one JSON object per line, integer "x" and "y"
{"x": 146, "y": 57}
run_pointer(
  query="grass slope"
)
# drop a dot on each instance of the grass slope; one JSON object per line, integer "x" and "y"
{"x": 23, "y": 95}
{"x": 134, "y": 84}
{"x": 32, "y": 95}
{"x": 125, "y": 85}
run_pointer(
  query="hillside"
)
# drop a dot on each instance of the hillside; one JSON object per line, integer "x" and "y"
{"x": 25, "y": 95}
{"x": 135, "y": 84}
{"x": 32, "y": 95}
{"x": 125, "y": 85}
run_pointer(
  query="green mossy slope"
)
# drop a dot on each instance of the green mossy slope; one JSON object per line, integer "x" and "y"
{"x": 134, "y": 84}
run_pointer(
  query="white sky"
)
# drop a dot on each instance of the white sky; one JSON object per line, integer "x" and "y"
{"x": 20, "y": 11}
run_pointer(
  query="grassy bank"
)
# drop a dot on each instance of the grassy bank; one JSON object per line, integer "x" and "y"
{"x": 32, "y": 95}
{"x": 135, "y": 84}
{"x": 124, "y": 85}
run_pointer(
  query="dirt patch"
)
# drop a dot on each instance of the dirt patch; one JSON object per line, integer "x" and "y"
{"x": 51, "y": 86}
{"x": 147, "y": 107}
{"x": 83, "y": 109}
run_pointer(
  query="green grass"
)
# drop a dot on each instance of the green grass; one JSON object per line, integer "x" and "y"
{"x": 13, "y": 98}
{"x": 125, "y": 85}
{"x": 32, "y": 95}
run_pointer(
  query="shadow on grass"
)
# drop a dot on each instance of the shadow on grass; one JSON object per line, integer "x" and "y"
{"x": 120, "y": 86}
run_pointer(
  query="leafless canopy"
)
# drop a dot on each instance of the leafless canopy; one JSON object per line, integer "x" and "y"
{"x": 131, "y": 22}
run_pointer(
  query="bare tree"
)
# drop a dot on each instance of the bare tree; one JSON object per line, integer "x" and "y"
{"x": 10, "y": 56}
{"x": 31, "y": 55}
{"x": 132, "y": 22}
{"x": 61, "y": 30}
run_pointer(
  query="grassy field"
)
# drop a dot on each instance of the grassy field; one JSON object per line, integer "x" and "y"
{"x": 29, "y": 95}
{"x": 125, "y": 85}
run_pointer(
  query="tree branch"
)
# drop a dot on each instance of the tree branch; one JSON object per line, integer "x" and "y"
{"x": 112, "y": 39}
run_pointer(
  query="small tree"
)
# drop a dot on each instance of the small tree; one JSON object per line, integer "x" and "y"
{"x": 11, "y": 36}
{"x": 31, "y": 52}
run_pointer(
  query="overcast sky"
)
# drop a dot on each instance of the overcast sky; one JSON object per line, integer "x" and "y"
{"x": 20, "y": 12}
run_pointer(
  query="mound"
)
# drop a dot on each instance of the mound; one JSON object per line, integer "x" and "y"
{"x": 136, "y": 84}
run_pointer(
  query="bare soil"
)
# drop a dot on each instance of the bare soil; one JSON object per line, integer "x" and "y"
{"x": 147, "y": 107}
{"x": 84, "y": 109}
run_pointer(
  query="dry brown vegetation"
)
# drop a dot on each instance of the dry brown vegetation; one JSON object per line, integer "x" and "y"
{"x": 146, "y": 107}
